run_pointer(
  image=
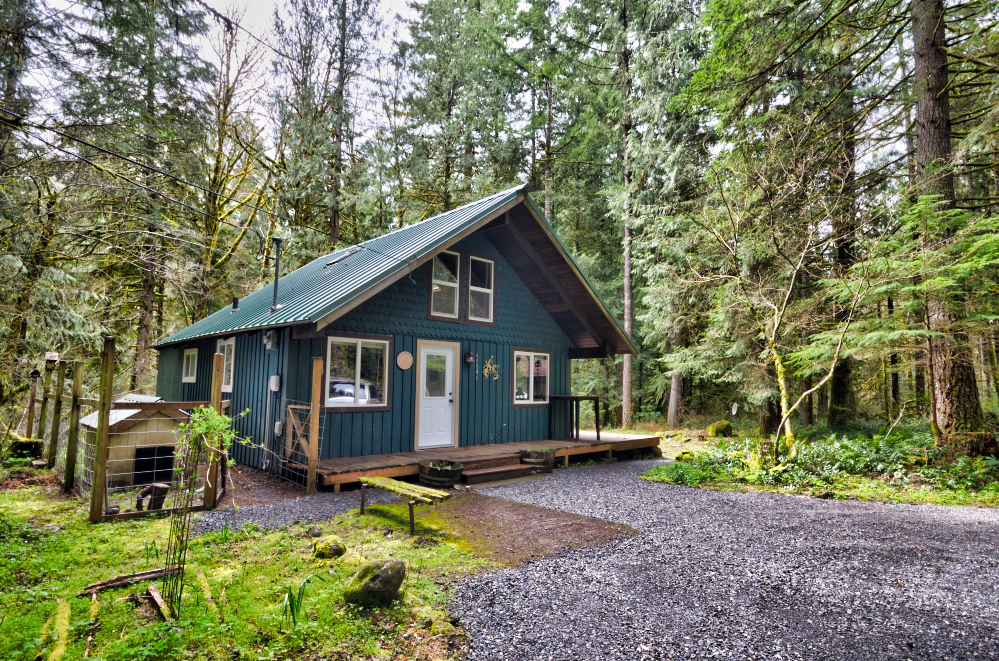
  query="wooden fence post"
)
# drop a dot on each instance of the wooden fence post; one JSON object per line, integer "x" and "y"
{"x": 49, "y": 366}
{"x": 56, "y": 414}
{"x": 29, "y": 432}
{"x": 211, "y": 473}
{"x": 74, "y": 427}
{"x": 315, "y": 413}
{"x": 108, "y": 357}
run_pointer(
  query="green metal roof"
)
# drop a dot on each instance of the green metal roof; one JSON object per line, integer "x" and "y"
{"x": 334, "y": 281}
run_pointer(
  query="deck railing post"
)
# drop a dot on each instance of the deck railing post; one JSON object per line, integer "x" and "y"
{"x": 74, "y": 426}
{"x": 314, "y": 414}
{"x": 97, "y": 485}
{"x": 46, "y": 384}
{"x": 212, "y": 472}
{"x": 56, "y": 415}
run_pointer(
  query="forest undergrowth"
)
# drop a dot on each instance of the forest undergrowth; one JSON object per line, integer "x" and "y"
{"x": 897, "y": 465}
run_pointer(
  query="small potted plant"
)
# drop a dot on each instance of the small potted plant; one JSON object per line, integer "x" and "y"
{"x": 439, "y": 473}
{"x": 543, "y": 459}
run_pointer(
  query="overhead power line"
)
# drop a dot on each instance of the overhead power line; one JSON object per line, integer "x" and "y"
{"x": 25, "y": 122}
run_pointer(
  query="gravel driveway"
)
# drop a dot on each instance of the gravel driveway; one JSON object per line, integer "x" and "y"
{"x": 742, "y": 576}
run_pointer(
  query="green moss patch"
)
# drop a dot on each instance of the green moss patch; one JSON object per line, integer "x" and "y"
{"x": 249, "y": 574}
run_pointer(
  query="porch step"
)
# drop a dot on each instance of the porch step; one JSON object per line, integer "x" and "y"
{"x": 495, "y": 462}
{"x": 496, "y": 474}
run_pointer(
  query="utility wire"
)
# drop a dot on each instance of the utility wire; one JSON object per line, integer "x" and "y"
{"x": 116, "y": 175}
{"x": 26, "y": 122}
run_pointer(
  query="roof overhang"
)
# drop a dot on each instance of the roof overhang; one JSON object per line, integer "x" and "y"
{"x": 531, "y": 247}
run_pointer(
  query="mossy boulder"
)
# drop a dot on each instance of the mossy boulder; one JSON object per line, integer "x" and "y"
{"x": 720, "y": 429}
{"x": 376, "y": 583}
{"x": 330, "y": 547}
{"x": 686, "y": 455}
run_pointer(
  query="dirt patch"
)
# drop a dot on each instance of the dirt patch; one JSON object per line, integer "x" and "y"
{"x": 513, "y": 534}
{"x": 249, "y": 486}
{"x": 29, "y": 478}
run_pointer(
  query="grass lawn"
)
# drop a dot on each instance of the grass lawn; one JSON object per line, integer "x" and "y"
{"x": 48, "y": 553}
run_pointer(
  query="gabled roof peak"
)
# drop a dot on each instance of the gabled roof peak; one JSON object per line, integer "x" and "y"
{"x": 333, "y": 284}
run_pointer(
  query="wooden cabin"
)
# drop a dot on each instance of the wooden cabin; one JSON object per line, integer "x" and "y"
{"x": 456, "y": 331}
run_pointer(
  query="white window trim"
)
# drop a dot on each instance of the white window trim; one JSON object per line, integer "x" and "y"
{"x": 455, "y": 285}
{"x": 230, "y": 369}
{"x": 357, "y": 341}
{"x": 491, "y": 290}
{"x": 533, "y": 355}
{"x": 184, "y": 377}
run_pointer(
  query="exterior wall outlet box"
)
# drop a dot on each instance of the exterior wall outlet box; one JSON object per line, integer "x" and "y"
{"x": 274, "y": 383}
{"x": 278, "y": 428}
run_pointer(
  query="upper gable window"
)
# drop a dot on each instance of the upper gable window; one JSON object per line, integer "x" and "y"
{"x": 481, "y": 286}
{"x": 228, "y": 350}
{"x": 444, "y": 285}
{"x": 190, "y": 373}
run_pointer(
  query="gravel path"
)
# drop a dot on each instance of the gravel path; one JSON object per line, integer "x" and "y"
{"x": 742, "y": 576}
{"x": 306, "y": 509}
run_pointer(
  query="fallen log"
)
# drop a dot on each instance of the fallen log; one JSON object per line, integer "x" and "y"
{"x": 158, "y": 598}
{"x": 128, "y": 579}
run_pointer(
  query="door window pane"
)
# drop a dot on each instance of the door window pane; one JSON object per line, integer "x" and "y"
{"x": 522, "y": 380}
{"x": 434, "y": 377}
{"x": 372, "y": 373}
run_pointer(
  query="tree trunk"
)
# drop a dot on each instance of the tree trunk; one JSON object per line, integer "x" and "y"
{"x": 34, "y": 264}
{"x": 549, "y": 157}
{"x": 990, "y": 340}
{"x": 769, "y": 418}
{"x": 841, "y": 405}
{"x": 15, "y": 50}
{"x": 958, "y": 407}
{"x": 807, "y": 418}
{"x": 822, "y": 401}
{"x": 339, "y": 122}
{"x": 675, "y": 401}
{"x": 624, "y": 64}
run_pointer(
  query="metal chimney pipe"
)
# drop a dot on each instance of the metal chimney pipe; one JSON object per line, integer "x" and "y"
{"x": 277, "y": 270}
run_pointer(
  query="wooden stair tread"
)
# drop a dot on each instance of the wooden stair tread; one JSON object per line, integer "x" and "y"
{"x": 496, "y": 473}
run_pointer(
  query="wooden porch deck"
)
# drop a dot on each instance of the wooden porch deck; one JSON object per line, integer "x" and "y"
{"x": 334, "y": 472}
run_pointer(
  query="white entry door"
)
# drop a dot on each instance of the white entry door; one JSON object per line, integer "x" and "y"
{"x": 437, "y": 400}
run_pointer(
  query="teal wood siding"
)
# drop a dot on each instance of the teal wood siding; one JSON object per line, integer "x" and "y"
{"x": 486, "y": 414}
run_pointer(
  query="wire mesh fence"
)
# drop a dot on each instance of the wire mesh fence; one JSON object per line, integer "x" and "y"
{"x": 141, "y": 472}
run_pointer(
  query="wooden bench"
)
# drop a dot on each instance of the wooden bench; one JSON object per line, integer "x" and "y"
{"x": 414, "y": 492}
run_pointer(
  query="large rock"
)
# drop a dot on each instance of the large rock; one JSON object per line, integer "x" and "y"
{"x": 330, "y": 547}
{"x": 720, "y": 429}
{"x": 376, "y": 583}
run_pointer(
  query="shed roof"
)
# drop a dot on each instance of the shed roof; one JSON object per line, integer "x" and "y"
{"x": 330, "y": 286}
{"x": 117, "y": 415}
